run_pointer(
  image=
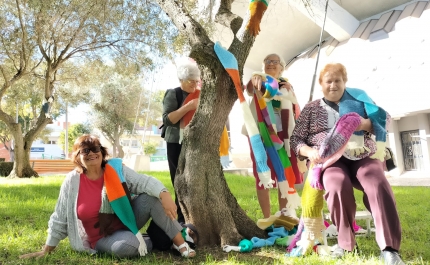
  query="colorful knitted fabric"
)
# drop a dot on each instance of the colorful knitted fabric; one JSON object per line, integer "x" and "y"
{"x": 356, "y": 100}
{"x": 229, "y": 62}
{"x": 116, "y": 200}
{"x": 277, "y": 154}
{"x": 334, "y": 145}
{"x": 256, "y": 10}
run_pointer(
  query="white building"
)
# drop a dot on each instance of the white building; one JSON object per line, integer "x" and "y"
{"x": 385, "y": 46}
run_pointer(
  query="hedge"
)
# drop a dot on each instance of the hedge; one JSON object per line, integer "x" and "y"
{"x": 5, "y": 168}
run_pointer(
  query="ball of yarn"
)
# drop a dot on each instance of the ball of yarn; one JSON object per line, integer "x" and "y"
{"x": 245, "y": 245}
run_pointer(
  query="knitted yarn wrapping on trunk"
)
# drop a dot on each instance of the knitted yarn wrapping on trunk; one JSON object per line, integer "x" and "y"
{"x": 312, "y": 205}
{"x": 256, "y": 10}
{"x": 229, "y": 62}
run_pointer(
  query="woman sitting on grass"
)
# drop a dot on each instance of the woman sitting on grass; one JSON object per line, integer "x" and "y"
{"x": 96, "y": 211}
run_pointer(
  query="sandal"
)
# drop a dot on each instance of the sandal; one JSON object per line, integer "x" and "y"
{"x": 187, "y": 253}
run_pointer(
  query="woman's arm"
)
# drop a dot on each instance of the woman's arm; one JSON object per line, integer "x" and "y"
{"x": 57, "y": 225}
{"x": 172, "y": 113}
{"x": 141, "y": 183}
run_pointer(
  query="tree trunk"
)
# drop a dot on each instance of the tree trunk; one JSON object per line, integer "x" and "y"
{"x": 204, "y": 195}
{"x": 22, "y": 148}
{"x": 120, "y": 151}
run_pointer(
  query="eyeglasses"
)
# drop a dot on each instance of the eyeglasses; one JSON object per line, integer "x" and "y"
{"x": 193, "y": 82}
{"x": 274, "y": 62}
{"x": 86, "y": 151}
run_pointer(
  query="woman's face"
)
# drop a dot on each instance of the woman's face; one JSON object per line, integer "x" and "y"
{"x": 272, "y": 66}
{"x": 333, "y": 86}
{"x": 189, "y": 85}
{"x": 91, "y": 156}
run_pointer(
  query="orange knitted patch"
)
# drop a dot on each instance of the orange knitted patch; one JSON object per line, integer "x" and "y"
{"x": 113, "y": 186}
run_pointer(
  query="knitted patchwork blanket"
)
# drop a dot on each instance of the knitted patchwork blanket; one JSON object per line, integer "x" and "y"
{"x": 116, "y": 200}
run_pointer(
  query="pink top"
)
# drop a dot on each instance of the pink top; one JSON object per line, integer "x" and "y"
{"x": 88, "y": 206}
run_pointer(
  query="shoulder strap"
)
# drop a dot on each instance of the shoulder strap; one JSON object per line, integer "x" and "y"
{"x": 179, "y": 96}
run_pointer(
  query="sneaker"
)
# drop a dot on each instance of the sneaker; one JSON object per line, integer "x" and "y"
{"x": 391, "y": 258}
{"x": 339, "y": 252}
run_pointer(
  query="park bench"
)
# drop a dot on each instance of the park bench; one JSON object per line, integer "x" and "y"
{"x": 52, "y": 165}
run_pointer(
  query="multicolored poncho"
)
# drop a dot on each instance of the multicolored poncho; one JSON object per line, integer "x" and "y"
{"x": 264, "y": 139}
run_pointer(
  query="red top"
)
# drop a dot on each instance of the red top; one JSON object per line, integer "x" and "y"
{"x": 88, "y": 206}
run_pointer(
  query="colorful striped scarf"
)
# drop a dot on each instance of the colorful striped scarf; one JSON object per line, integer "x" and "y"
{"x": 116, "y": 200}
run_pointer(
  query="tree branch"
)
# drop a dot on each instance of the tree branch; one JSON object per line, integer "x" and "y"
{"x": 227, "y": 18}
{"x": 23, "y": 59}
{"x": 184, "y": 22}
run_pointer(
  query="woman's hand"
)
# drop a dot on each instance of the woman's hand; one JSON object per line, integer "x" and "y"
{"x": 311, "y": 153}
{"x": 169, "y": 205}
{"x": 365, "y": 125}
{"x": 286, "y": 84}
{"x": 256, "y": 82}
{"x": 314, "y": 156}
{"x": 46, "y": 250}
{"x": 192, "y": 104}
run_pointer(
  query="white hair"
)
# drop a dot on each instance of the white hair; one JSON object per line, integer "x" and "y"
{"x": 187, "y": 69}
{"x": 281, "y": 60}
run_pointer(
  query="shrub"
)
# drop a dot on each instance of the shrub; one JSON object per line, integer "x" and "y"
{"x": 5, "y": 168}
{"x": 150, "y": 148}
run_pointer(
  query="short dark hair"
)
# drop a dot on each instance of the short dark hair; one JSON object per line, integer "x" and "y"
{"x": 87, "y": 140}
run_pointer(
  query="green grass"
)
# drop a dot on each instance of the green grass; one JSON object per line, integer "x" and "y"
{"x": 26, "y": 204}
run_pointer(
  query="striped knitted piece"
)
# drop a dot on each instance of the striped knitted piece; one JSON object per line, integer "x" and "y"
{"x": 334, "y": 145}
{"x": 356, "y": 100}
{"x": 256, "y": 9}
{"x": 115, "y": 191}
{"x": 229, "y": 62}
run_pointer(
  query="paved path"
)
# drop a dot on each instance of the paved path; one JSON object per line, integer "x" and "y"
{"x": 408, "y": 181}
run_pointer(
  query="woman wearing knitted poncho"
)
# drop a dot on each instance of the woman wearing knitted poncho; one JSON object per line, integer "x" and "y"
{"x": 361, "y": 169}
{"x": 273, "y": 65}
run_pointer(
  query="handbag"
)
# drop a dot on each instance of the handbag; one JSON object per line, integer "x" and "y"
{"x": 389, "y": 159}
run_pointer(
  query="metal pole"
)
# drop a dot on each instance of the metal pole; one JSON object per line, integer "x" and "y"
{"x": 318, "y": 56}
{"x": 66, "y": 135}
{"x": 134, "y": 124}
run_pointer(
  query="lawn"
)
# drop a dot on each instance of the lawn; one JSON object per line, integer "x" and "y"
{"x": 26, "y": 204}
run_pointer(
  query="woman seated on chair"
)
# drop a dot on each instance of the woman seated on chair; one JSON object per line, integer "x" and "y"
{"x": 97, "y": 213}
{"x": 361, "y": 169}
